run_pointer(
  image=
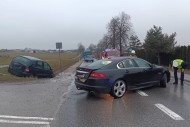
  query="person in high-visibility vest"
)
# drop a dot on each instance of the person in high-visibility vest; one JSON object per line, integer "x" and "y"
{"x": 179, "y": 64}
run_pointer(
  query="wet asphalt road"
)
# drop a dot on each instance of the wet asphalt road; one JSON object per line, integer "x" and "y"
{"x": 57, "y": 103}
{"x": 133, "y": 110}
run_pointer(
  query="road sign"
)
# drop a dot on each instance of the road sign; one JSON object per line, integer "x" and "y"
{"x": 58, "y": 45}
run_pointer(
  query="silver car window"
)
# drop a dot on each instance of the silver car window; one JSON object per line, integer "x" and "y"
{"x": 128, "y": 63}
{"x": 142, "y": 63}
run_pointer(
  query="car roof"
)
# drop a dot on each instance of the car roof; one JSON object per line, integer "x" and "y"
{"x": 112, "y": 50}
{"x": 120, "y": 58}
{"x": 32, "y": 58}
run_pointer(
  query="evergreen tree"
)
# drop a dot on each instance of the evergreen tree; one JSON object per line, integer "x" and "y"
{"x": 134, "y": 42}
{"x": 156, "y": 42}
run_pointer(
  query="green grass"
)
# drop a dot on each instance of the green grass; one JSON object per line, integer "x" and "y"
{"x": 5, "y": 76}
{"x": 67, "y": 59}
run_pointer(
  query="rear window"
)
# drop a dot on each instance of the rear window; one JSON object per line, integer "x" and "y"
{"x": 113, "y": 53}
{"x": 99, "y": 64}
{"x": 88, "y": 53}
{"x": 22, "y": 61}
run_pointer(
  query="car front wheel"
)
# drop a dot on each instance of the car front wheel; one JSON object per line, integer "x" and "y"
{"x": 118, "y": 89}
{"x": 163, "y": 81}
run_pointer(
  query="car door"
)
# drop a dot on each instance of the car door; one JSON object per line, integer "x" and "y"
{"x": 131, "y": 73}
{"x": 38, "y": 69}
{"x": 47, "y": 70}
{"x": 147, "y": 72}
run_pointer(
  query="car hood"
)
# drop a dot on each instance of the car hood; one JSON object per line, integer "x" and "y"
{"x": 165, "y": 68}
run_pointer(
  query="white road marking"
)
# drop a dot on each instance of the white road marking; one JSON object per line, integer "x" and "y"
{"x": 23, "y": 117}
{"x": 2, "y": 74}
{"x": 142, "y": 93}
{"x": 39, "y": 120}
{"x": 169, "y": 112}
{"x": 24, "y": 122}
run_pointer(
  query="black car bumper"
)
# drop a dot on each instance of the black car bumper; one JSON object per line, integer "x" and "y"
{"x": 95, "y": 88}
{"x": 19, "y": 73}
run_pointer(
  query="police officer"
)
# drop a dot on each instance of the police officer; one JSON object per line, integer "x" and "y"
{"x": 179, "y": 64}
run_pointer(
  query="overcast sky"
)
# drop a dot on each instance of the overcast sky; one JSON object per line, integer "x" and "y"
{"x": 39, "y": 24}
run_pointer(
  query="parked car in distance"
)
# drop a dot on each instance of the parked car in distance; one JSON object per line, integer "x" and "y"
{"x": 116, "y": 75}
{"x": 26, "y": 66}
{"x": 88, "y": 56}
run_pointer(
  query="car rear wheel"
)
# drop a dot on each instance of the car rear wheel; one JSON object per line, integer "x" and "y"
{"x": 163, "y": 81}
{"x": 118, "y": 89}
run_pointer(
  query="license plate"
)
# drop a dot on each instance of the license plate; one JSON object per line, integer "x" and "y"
{"x": 82, "y": 80}
{"x": 81, "y": 76}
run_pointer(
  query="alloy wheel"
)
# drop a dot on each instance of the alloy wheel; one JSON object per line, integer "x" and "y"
{"x": 119, "y": 88}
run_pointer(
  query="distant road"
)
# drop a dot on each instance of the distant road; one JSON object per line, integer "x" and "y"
{"x": 2, "y": 66}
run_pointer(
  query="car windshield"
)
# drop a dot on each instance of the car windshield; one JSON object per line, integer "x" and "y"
{"x": 99, "y": 64}
{"x": 113, "y": 53}
{"x": 88, "y": 53}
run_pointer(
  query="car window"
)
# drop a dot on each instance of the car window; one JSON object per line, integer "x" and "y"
{"x": 99, "y": 64}
{"x": 16, "y": 64}
{"x": 22, "y": 61}
{"x": 113, "y": 53}
{"x": 128, "y": 63}
{"x": 120, "y": 65}
{"x": 39, "y": 64}
{"x": 142, "y": 63}
{"x": 46, "y": 66}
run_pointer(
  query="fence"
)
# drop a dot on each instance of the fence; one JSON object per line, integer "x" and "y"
{"x": 182, "y": 52}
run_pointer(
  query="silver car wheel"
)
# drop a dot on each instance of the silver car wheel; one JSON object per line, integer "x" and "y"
{"x": 119, "y": 88}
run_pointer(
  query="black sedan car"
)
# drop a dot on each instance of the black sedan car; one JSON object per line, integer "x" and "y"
{"x": 116, "y": 75}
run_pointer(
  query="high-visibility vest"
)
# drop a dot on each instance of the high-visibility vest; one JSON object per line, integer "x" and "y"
{"x": 177, "y": 63}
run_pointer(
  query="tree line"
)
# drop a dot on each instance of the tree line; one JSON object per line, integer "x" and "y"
{"x": 157, "y": 45}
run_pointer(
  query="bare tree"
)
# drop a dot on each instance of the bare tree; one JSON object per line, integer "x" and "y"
{"x": 105, "y": 42}
{"x": 81, "y": 47}
{"x": 113, "y": 31}
{"x": 92, "y": 47}
{"x": 124, "y": 27}
{"x": 119, "y": 31}
{"x": 119, "y": 28}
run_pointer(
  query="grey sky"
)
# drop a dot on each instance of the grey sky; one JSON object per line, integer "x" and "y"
{"x": 40, "y": 24}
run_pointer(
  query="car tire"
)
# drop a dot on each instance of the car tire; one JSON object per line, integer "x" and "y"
{"x": 51, "y": 76}
{"x": 163, "y": 81}
{"x": 118, "y": 89}
{"x": 91, "y": 92}
{"x": 34, "y": 75}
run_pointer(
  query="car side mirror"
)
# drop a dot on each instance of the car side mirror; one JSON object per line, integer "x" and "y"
{"x": 152, "y": 65}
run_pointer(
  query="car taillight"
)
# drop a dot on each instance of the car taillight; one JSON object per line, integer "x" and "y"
{"x": 97, "y": 75}
{"x": 26, "y": 70}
